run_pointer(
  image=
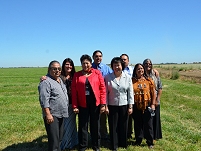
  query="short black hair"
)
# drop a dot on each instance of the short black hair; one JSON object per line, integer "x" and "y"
{"x": 125, "y": 55}
{"x": 94, "y": 53}
{"x": 87, "y": 57}
{"x": 117, "y": 60}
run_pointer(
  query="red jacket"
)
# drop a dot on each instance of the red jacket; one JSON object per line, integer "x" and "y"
{"x": 78, "y": 88}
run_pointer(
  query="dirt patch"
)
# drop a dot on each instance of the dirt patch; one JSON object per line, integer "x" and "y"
{"x": 189, "y": 75}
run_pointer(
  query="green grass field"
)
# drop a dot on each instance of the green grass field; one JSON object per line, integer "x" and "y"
{"x": 22, "y": 129}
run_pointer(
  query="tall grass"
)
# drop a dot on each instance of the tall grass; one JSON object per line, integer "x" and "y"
{"x": 22, "y": 128}
{"x": 179, "y": 67}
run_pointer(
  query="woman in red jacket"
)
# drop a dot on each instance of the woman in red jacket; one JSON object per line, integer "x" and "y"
{"x": 88, "y": 100}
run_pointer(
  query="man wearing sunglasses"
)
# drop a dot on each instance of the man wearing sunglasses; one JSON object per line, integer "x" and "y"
{"x": 54, "y": 103}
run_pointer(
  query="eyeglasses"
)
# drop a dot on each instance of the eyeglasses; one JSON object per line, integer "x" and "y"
{"x": 55, "y": 69}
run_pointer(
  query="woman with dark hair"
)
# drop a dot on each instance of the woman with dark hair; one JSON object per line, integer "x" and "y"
{"x": 70, "y": 138}
{"x": 144, "y": 96}
{"x": 158, "y": 85}
{"x": 88, "y": 100}
{"x": 119, "y": 103}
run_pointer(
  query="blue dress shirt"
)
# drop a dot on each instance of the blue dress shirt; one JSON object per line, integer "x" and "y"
{"x": 104, "y": 69}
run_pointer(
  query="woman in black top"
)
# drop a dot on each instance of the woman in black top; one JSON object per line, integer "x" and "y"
{"x": 70, "y": 138}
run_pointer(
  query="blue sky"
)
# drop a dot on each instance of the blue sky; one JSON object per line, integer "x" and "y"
{"x": 35, "y": 32}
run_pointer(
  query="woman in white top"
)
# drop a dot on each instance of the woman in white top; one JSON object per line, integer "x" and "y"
{"x": 120, "y": 100}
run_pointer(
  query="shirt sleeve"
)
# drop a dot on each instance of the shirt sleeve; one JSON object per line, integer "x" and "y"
{"x": 102, "y": 89}
{"x": 130, "y": 92}
{"x": 109, "y": 70}
{"x": 106, "y": 86}
{"x": 159, "y": 83}
{"x": 44, "y": 94}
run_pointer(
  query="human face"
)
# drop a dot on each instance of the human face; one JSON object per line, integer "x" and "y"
{"x": 55, "y": 70}
{"x": 68, "y": 67}
{"x": 86, "y": 65}
{"x": 139, "y": 71}
{"x": 125, "y": 60}
{"x": 117, "y": 68}
{"x": 148, "y": 65}
{"x": 97, "y": 58}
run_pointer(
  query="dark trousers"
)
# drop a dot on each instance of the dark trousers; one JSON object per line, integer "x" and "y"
{"x": 130, "y": 126}
{"x": 103, "y": 126}
{"x": 54, "y": 133}
{"x": 118, "y": 122}
{"x": 143, "y": 126}
{"x": 157, "y": 124}
{"x": 91, "y": 112}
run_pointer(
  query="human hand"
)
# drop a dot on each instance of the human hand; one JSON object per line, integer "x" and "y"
{"x": 43, "y": 78}
{"x": 49, "y": 118}
{"x": 157, "y": 101}
{"x": 76, "y": 110}
{"x": 130, "y": 111}
{"x": 106, "y": 110}
{"x": 156, "y": 72}
{"x": 153, "y": 107}
{"x": 102, "y": 109}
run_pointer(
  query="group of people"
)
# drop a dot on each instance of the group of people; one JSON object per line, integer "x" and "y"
{"x": 97, "y": 93}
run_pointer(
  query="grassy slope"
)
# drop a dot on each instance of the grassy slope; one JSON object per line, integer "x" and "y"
{"x": 21, "y": 125}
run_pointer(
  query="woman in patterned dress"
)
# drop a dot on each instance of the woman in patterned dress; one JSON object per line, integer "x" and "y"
{"x": 144, "y": 96}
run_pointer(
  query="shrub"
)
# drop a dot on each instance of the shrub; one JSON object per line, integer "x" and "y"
{"x": 181, "y": 69}
{"x": 175, "y": 75}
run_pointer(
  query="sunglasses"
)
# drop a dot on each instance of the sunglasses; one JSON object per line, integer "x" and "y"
{"x": 55, "y": 69}
{"x": 148, "y": 64}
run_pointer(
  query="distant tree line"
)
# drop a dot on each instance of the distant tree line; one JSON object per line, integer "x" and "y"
{"x": 196, "y": 62}
{"x": 182, "y": 63}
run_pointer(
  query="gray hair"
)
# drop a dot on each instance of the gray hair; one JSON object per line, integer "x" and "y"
{"x": 53, "y": 62}
{"x": 144, "y": 62}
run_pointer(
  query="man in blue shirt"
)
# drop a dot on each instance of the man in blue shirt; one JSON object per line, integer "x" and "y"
{"x": 104, "y": 69}
{"x": 97, "y": 64}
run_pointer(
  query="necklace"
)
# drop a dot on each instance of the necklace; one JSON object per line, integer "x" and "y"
{"x": 141, "y": 79}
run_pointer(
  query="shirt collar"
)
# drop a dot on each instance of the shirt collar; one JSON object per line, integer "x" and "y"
{"x": 126, "y": 68}
{"x": 97, "y": 66}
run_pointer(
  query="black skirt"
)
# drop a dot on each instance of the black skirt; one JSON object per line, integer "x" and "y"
{"x": 157, "y": 124}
